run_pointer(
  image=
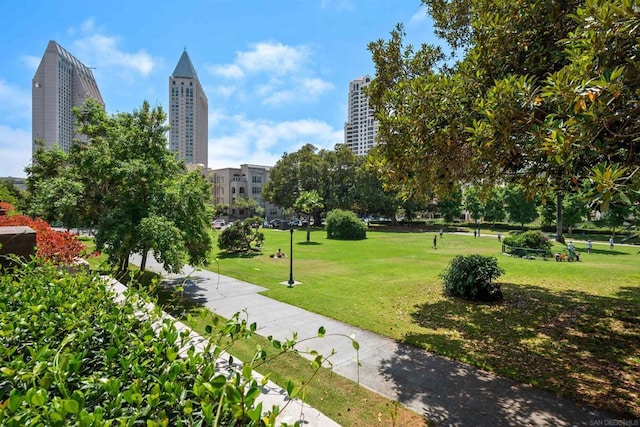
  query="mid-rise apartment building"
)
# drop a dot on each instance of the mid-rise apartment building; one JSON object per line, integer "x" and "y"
{"x": 361, "y": 127}
{"x": 60, "y": 83}
{"x": 188, "y": 114}
{"x": 229, "y": 184}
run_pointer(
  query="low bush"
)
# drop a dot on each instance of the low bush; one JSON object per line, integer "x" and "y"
{"x": 345, "y": 225}
{"x": 242, "y": 236}
{"x": 533, "y": 239}
{"x": 58, "y": 247}
{"x": 471, "y": 277}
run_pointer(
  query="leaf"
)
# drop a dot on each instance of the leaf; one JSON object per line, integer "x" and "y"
{"x": 321, "y": 332}
{"x": 355, "y": 344}
{"x": 71, "y": 406}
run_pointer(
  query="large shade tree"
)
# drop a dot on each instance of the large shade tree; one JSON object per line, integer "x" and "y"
{"x": 127, "y": 185}
{"x": 544, "y": 94}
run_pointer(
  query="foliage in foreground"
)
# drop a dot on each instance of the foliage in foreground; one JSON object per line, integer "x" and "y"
{"x": 345, "y": 225}
{"x": 69, "y": 354}
{"x": 242, "y": 236}
{"x": 470, "y": 277}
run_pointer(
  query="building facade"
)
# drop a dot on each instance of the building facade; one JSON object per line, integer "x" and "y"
{"x": 361, "y": 127}
{"x": 229, "y": 184}
{"x": 188, "y": 114}
{"x": 60, "y": 83}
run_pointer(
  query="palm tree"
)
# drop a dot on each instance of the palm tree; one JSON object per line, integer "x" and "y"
{"x": 307, "y": 203}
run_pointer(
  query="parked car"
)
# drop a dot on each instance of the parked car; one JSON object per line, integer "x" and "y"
{"x": 294, "y": 222}
{"x": 275, "y": 223}
{"x": 218, "y": 224}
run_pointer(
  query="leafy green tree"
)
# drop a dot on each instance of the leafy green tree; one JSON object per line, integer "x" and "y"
{"x": 129, "y": 186}
{"x": 494, "y": 210}
{"x": 247, "y": 207}
{"x": 451, "y": 207}
{"x": 310, "y": 204}
{"x": 543, "y": 95}
{"x": 521, "y": 207}
{"x": 289, "y": 177}
{"x": 10, "y": 193}
{"x": 473, "y": 204}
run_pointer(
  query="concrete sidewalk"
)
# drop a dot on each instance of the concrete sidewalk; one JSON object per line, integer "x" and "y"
{"x": 446, "y": 391}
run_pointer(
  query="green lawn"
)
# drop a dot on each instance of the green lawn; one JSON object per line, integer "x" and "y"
{"x": 573, "y": 328}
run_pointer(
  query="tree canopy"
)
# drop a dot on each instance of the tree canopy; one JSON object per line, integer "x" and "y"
{"x": 125, "y": 183}
{"x": 544, "y": 94}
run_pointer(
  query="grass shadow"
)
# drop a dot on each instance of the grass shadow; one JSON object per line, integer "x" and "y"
{"x": 238, "y": 255}
{"x": 582, "y": 346}
{"x": 312, "y": 243}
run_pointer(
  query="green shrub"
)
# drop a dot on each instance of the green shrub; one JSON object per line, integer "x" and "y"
{"x": 533, "y": 239}
{"x": 470, "y": 277}
{"x": 70, "y": 354}
{"x": 242, "y": 236}
{"x": 345, "y": 225}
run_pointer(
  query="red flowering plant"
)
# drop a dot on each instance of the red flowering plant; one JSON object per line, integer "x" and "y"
{"x": 7, "y": 207}
{"x": 58, "y": 247}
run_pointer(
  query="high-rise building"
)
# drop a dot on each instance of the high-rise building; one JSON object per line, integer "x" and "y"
{"x": 188, "y": 114}
{"x": 60, "y": 83}
{"x": 361, "y": 127}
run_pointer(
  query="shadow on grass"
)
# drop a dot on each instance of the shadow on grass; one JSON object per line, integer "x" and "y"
{"x": 583, "y": 252}
{"x": 226, "y": 255}
{"x": 582, "y": 346}
{"x": 311, "y": 243}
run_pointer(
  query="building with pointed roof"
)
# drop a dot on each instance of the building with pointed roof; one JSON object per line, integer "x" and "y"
{"x": 61, "y": 82}
{"x": 188, "y": 114}
{"x": 361, "y": 127}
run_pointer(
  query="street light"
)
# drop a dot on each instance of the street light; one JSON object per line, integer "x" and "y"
{"x": 290, "y": 282}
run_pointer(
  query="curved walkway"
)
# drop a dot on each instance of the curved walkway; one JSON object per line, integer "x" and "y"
{"x": 444, "y": 390}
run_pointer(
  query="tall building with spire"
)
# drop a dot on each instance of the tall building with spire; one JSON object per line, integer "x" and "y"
{"x": 60, "y": 83}
{"x": 188, "y": 114}
{"x": 361, "y": 127}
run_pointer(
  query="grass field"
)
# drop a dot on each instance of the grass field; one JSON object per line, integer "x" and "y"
{"x": 572, "y": 328}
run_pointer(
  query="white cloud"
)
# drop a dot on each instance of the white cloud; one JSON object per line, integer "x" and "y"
{"x": 230, "y": 71}
{"x": 102, "y": 51}
{"x": 14, "y": 102}
{"x": 264, "y": 142}
{"x": 274, "y": 74}
{"x": 338, "y": 4}
{"x": 419, "y": 17}
{"x": 264, "y": 57}
{"x": 31, "y": 62}
{"x": 15, "y": 145}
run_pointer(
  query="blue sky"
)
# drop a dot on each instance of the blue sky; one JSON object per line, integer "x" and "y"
{"x": 276, "y": 73}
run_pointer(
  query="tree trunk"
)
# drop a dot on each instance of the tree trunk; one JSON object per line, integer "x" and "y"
{"x": 559, "y": 236}
{"x": 143, "y": 263}
{"x": 308, "y": 230}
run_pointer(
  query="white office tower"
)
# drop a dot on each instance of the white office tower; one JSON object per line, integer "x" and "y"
{"x": 188, "y": 114}
{"x": 60, "y": 83}
{"x": 361, "y": 128}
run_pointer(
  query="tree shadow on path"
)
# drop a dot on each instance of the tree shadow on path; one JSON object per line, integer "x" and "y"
{"x": 574, "y": 344}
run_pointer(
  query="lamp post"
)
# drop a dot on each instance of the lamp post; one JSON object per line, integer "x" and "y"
{"x": 291, "y": 260}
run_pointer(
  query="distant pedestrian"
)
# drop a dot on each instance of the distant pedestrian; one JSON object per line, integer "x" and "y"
{"x": 441, "y": 231}
{"x": 475, "y": 233}
{"x": 499, "y": 236}
{"x": 611, "y": 243}
{"x": 589, "y": 246}
{"x": 435, "y": 241}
